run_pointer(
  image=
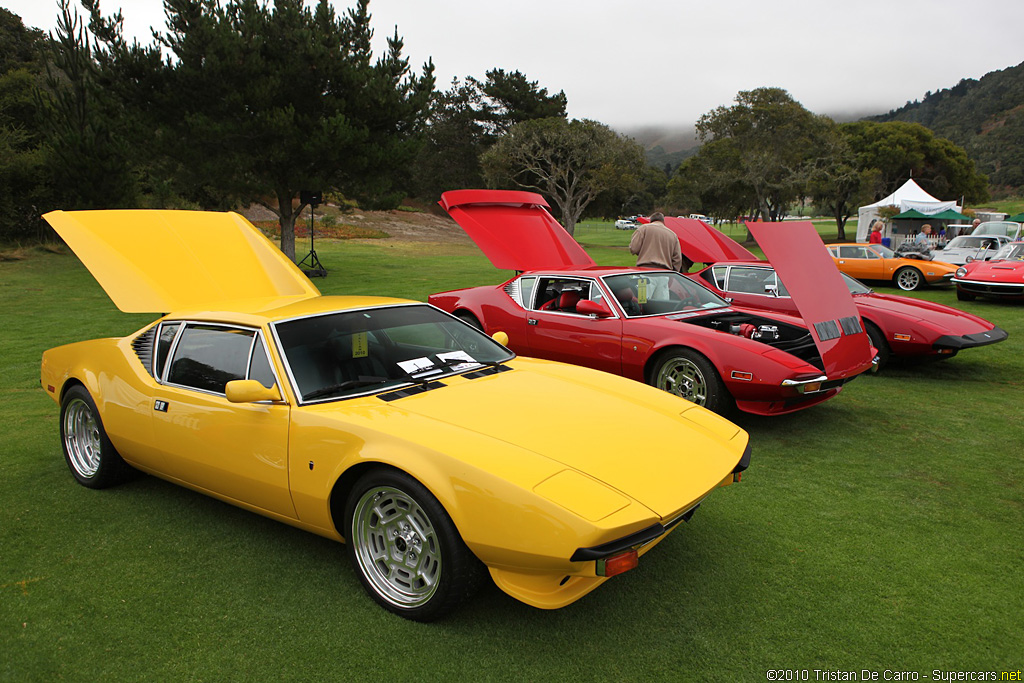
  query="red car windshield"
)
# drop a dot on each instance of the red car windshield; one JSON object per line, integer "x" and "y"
{"x": 659, "y": 293}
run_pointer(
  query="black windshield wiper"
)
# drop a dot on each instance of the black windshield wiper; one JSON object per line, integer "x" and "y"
{"x": 341, "y": 386}
{"x": 452, "y": 362}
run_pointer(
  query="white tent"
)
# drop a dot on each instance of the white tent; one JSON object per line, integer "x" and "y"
{"x": 909, "y": 196}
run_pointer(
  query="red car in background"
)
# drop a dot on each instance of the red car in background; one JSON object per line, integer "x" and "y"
{"x": 898, "y": 325}
{"x": 1001, "y": 277}
{"x": 654, "y": 326}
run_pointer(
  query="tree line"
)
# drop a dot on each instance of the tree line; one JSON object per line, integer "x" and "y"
{"x": 238, "y": 102}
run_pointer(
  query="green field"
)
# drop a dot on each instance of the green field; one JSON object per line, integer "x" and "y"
{"x": 882, "y": 530}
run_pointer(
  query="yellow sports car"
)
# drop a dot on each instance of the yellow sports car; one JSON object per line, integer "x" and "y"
{"x": 427, "y": 446}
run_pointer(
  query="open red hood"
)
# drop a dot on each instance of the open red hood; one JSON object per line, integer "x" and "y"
{"x": 798, "y": 255}
{"x": 514, "y": 229}
{"x": 703, "y": 244}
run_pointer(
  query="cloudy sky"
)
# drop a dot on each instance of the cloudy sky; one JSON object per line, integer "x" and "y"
{"x": 637, "y": 63}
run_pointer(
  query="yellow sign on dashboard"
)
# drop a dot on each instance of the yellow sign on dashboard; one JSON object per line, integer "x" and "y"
{"x": 360, "y": 349}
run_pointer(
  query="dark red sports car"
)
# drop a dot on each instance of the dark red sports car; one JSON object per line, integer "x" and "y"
{"x": 654, "y": 326}
{"x": 898, "y": 325}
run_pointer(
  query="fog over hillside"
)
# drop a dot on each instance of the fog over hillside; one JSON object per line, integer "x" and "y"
{"x": 673, "y": 144}
{"x": 669, "y": 138}
{"x": 684, "y": 136}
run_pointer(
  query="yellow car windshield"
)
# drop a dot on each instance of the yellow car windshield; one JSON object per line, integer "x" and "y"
{"x": 349, "y": 353}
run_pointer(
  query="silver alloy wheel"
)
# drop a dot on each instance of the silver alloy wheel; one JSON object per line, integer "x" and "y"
{"x": 396, "y": 546}
{"x": 908, "y": 279}
{"x": 682, "y": 377}
{"x": 82, "y": 438}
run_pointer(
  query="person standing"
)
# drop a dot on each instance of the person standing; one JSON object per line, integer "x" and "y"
{"x": 655, "y": 246}
{"x": 923, "y": 237}
{"x": 876, "y": 233}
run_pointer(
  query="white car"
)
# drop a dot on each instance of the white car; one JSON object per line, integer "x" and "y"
{"x": 967, "y": 248}
{"x": 1004, "y": 228}
{"x": 626, "y": 224}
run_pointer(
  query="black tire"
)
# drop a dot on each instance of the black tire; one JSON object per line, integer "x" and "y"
{"x": 405, "y": 548}
{"x": 908, "y": 279}
{"x": 879, "y": 342}
{"x": 469, "y": 319}
{"x": 961, "y": 295}
{"x": 90, "y": 456}
{"x": 690, "y": 375}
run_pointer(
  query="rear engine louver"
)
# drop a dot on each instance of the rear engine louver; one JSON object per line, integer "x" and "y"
{"x": 851, "y": 325}
{"x": 827, "y": 330}
{"x": 143, "y": 346}
{"x": 830, "y": 329}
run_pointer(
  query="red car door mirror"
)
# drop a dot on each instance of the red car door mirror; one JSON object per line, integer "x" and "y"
{"x": 595, "y": 308}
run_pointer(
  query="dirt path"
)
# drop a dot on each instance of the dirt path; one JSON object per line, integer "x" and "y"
{"x": 406, "y": 226}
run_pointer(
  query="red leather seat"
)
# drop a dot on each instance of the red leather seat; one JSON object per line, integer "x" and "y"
{"x": 567, "y": 301}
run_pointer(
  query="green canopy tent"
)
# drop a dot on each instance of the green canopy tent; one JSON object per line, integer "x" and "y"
{"x": 950, "y": 215}
{"x": 947, "y": 215}
{"x": 911, "y": 214}
{"x": 941, "y": 219}
{"x": 1019, "y": 218}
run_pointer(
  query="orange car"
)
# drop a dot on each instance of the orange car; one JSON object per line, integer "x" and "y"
{"x": 876, "y": 262}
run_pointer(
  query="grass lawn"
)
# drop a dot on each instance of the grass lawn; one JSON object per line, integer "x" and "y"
{"x": 881, "y": 530}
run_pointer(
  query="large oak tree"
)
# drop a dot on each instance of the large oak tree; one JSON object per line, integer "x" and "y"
{"x": 773, "y": 137}
{"x": 899, "y": 150}
{"x": 569, "y": 162}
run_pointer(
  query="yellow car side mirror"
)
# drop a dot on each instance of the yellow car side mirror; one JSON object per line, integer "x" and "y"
{"x": 250, "y": 391}
{"x": 500, "y": 337}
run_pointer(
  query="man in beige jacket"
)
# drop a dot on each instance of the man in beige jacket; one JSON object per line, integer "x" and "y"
{"x": 655, "y": 246}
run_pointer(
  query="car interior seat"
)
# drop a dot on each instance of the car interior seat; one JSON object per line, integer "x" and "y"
{"x": 567, "y": 301}
{"x": 627, "y": 297}
{"x": 550, "y": 300}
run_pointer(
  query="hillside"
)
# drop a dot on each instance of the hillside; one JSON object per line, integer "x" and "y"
{"x": 666, "y": 145}
{"x": 984, "y": 116}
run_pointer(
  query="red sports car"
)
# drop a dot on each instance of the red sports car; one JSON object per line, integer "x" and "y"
{"x": 897, "y": 325}
{"x": 654, "y": 326}
{"x": 1002, "y": 277}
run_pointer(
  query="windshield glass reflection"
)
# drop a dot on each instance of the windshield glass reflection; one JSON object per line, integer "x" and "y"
{"x": 657, "y": 293}
{"x": 347, "y": 353}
